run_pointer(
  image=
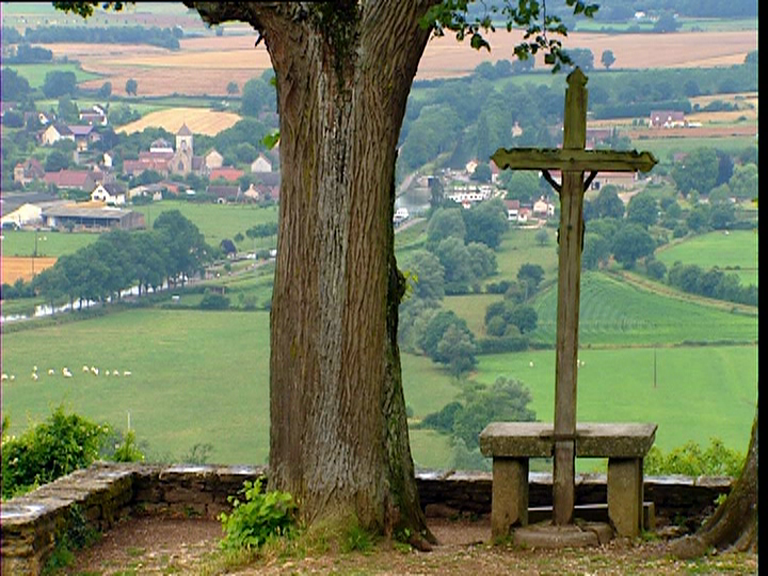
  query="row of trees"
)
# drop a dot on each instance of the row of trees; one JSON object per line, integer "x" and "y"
{"x": 154, "y": 36}
{"x": 173, "y": 251}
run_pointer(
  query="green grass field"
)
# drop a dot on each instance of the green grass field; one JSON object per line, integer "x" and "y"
{"x": 50, "y": 244}
{"x": 215, "y": 221}
{"x": 35, "y": 73}
{"x": 202, "y": 377}
{"x": 736, "y": 252}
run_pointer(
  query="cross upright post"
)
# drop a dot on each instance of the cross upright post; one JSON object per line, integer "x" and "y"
{"x": 573, "y": 161}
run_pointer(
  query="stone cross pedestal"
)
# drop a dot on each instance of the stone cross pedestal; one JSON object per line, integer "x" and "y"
{"x": 573, "y": 161}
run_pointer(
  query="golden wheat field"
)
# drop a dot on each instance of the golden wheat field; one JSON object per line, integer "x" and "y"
{"x": 199, "y": 120}
{"x": 15, "y": 267}
{"x": 204, "y": 66}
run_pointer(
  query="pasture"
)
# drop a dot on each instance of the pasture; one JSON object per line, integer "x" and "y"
{"x": 203, "y": 378}
{"x": 215, "y": 221}
{"x": 736, "y": 252}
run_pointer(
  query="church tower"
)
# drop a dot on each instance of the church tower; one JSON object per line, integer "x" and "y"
{"x": 182, "y": 159}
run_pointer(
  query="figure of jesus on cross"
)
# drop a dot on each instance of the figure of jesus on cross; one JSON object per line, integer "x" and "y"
{"x": 573, "y": 160}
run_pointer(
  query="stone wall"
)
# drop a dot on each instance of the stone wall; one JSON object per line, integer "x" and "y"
{"x": 96, "y": 498}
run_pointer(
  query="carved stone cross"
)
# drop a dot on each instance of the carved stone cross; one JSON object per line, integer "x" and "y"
{"x": 573, "y": 161}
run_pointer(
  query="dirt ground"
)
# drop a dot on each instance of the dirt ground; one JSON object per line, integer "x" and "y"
{"x": 161, "y": 545}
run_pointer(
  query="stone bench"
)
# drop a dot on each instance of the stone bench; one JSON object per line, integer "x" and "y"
{"x": 512, "y": 444}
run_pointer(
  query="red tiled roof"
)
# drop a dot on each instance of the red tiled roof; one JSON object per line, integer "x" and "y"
{"x": 227, "y": 173}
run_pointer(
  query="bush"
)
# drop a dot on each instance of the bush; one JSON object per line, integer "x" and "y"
{"x": 213, "y": 301}
{"x": 691, "y": 460}
{"x": 54, "y": 448}
{"x": 262, "y": 516}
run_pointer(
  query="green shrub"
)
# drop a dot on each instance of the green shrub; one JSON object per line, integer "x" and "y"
{"x": 691, "y": 460}
{"x": 61, "y": 444}
{"x": 213, "y": 301}
{"x": 262, "y": 516}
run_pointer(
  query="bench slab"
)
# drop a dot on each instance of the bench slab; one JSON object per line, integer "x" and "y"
{"x": 593, "y": 440}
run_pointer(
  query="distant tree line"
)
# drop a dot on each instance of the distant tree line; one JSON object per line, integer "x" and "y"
{"x": 26, "y": 54}
{"x": 171, "y": 252}
{"x": 154, "y": 36}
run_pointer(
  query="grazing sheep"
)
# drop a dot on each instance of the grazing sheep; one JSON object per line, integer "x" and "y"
{"x": 95, "y": 370}
{"x": 35, "y": 376}
{"x": 4, "y": 377}
{"x": 51, "y": 371}
{"x": 65, "y": 371}
{"x": 115, "y": 372}
{"x": 107, "y": 373}
{"x": 13, "y": 377}
{"x": 530, "y": 364}
{"x": 86, "y": 369}
{"x": 126, "y": 372}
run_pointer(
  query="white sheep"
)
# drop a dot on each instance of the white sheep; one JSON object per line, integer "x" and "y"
{"x": 115, "y": 372}
{"x": 35, "y": 376}
{"x": 85, "y": 368}
{"x": 65, "y": 371}
{"x": 95, "y": 370}
{"x": 107, "y": 373}
{"x": 4, "y": 377}
{"x": 530, "y": 364}
{"x": 51, "y": 371}
{"x": 126, "y": 372}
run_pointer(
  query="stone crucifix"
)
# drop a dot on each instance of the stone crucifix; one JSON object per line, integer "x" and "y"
{"x": 573, "y": 160}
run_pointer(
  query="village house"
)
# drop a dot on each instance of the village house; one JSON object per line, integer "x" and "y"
{"x": 83, "y": 180}
{"x": 224, "y": 194}
{"x": 667, "y": 119}
{"x": 513, "y": 209}
{"x": 623, "y": 180}
{"x": 227, "y": 173}
{"x": 213, "y": 159}
{"x": 29, "y": 171}
{"x": 97, "y": 116}
{"x": 261, "y": 164}
{"x": 542, "y": 207}
{"x": 112, "y": 193}
{"x": 55, "y": 133}
{"x": 84, "y": 136}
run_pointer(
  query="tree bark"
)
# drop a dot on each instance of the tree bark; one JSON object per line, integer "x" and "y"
{"x": 338, "y": 430}
{"x": 733, "y": 526}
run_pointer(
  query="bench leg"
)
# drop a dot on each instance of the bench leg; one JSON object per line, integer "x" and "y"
{"x": 509, "y": 499}
{"x": 625, "y": 495}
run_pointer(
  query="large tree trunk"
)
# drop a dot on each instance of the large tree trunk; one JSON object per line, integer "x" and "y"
{"x": 338, "y": 434}
{"x": 733, "y": 526}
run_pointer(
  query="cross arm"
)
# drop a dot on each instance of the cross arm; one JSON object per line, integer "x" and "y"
{"x": 573, "y": 160}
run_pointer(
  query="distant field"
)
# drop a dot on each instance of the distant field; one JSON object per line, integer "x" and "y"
{"x": 215, "y": 221}
{"x": 732, "y": 253}
{"x": 206, "y": 65}
{"x": 35, "y": 73}
{"x": 198, "y": 120}
{"x": 205, "y": 379}
{"x": 614, "y": 314}
{"x": 25, "y": 268}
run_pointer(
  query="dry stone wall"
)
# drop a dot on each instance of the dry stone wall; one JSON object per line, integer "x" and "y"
{"x": 96, "y": 498}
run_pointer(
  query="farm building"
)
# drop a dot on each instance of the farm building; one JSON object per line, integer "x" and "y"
{"x": 88, "y": 218}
